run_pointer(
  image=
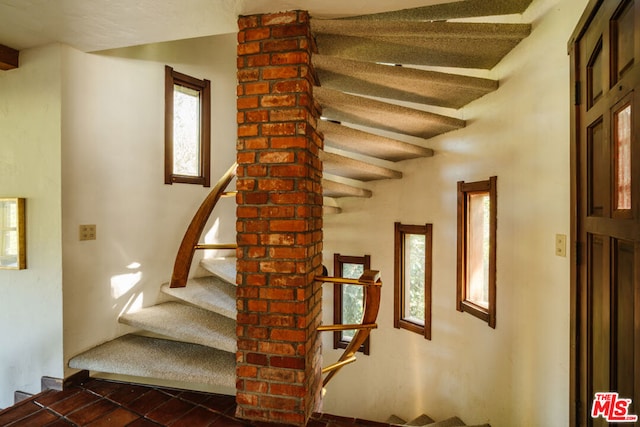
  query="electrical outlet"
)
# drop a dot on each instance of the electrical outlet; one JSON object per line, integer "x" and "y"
{"x": 561, "y": 245}
{"x": 87, "y": 232}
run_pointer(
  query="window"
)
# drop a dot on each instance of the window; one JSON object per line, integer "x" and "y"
{"x": 187, "y": 129}
{"x": 348, "y": 300}
{"x": 477, "y": 223}
{"x": 412, "y": 281}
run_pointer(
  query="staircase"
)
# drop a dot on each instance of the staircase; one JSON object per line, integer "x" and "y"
{"x": 391, "y": 81}
{"x": 382, "y": 101}
{"x": 189, "y": 337}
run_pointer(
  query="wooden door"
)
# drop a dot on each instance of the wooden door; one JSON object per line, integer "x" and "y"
{"x": 605, "y": 54}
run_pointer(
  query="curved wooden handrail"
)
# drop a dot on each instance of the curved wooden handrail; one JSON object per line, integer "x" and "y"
{"x": 191, "y": 238}
{"x": 372, "y": 291}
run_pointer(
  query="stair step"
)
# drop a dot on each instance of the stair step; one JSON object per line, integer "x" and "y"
{"x": 400, "y": 83}
{"x": 224, "y": 268}
{"x": 158, "y": 358}
{"x": 380, "y": 147}
{"x": 446, "y": 44}
{"x": 337, "y": 189}
{"x": 453, "y": 10}
{"x": 210, "y": 293}
{"x": 382, "y": 115}
{"x": 331, "y": 210}
{"x": 420, "y": 421}
{"x": 449, "y": 422}
{"x": 186, "y": 323}
{"x": 355, "y": 169}
{"x": 394, "y": 419}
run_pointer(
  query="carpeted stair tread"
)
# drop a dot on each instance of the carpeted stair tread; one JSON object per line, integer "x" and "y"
{"x": 400, "y": 83}
{"x": 210, "y": 293}
{"x": 420, "y": 421}
{"x": 445, "y": 44}
{"x": 380, "y": 147}
{"x": 449, "y": 422}
{"x": 338, "y": 189}
{"x": 224, "y": 268}
{"x": 157, "y": 358}
{"x": 186, "y": 323}
{"x": 359, "y": 110}
{"x": 347, "y": 167}
{"x": 452, "y": 10}
{"x": 394, "y": 419}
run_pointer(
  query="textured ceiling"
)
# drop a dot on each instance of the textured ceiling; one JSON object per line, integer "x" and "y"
{"x": 92, "y": 25}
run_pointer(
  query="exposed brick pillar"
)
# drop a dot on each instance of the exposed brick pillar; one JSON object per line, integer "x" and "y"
{"x": 279, "y": 221}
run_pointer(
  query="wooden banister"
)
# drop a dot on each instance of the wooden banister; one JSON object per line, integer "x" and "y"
{"x": 370, "y": 279}
{"x": 191, "y": 238}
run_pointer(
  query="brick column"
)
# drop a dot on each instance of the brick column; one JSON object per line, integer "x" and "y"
{"x": 279, "y": 221}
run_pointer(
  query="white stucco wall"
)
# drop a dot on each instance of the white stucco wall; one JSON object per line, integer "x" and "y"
{"x": 517, "y": 374}
{"x": 113, "y": 176}
{"x": 31, "y": 299}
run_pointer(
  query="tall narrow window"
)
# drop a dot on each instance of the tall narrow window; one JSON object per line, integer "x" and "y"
{"x": 477, "y": 223}
{"x": 187, "y": 129}
{"x": 412, "y": 281}
{"x": 348, "y": 300}
{"x": 622, "y": 157}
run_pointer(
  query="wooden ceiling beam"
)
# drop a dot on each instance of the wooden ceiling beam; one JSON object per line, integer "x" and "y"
{"x": 8, "y": 58}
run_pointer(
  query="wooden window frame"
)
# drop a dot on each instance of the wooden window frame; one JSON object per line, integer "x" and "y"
{"x": 400, "y": 231}
{"x": 462, "y": 303}
{"x": 338, "y": 260}
{"x": 172, "y": 78}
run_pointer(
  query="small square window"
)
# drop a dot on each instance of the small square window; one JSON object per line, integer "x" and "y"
{"x": 412, "y": 282}
{"x": 477, "y": 223}
{"x": 187, "y": 129}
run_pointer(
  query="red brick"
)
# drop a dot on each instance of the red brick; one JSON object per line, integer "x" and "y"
{"x": 257, "y": 116}
{"x": 248, "y": 75}
{"x": 256, "y": 252}
{"x": 289, "y": 142}
{"x": 247, "y": 371}
{"x": 275, "y": 185}
{"x": 256, "y": 198}
{"x": 257, "y": 359}
{"x": 256, "y": 226}
{"x": 277, "y": 374}
{"x": 278, "y": 320}
{"x": 247, "y": 292}
{"x": 280, "y": 18}
{"x": 257, "y": 34}
{"x": 260, "y": 60}
{"x": 256, "y": 280}
{"x": 285, "y": 349}
{"x": 247, "y": 102}
{"x": 288, "y": 389}
{"x": 257, "y": 333}
{"x": 298, "y": 85}
{"x": 248, "y": 48}
{"x": 289, "y": 58}
{"x": 277, "y": 157}
{"x": 247, "y": 318}
{"x": 246, "y": 212}
{"x": 287, "y": 253}
{"x": 281, "y": 45}
{"x": 277, "y": 266}
{"x": 278, "y": 100}
{"x": 257, "y": 88}
{"x": 288, "y": 307}
{"x": 280, "y": 403}
{"x": 287, "y": 362}
{"x": 256, "y": 143}
{"x": 292, "y": 335}
{"x": 278, "y": 129}
{"x": 247, "y": 22}
{"x": 277, "y": 239}
{"x": 276, "y": 294}
{"x": 277, "y": 211}
{"x": 257, "y": 305}
{"x": 290, "y": 31}
{"x": 288, "y": 115}
{"x": 288, "y": 198}
{"x": 246, "y": 399}
{"x": 288, "y": 225}
{"x": 256, "y": 386}
{"x": 246, "y": 157}
{"x": 289, "y": 171}
{"x": 284, "y": 72}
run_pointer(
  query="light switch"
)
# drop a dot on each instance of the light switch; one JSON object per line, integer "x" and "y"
{"x": 561, "y": 245}
{"x": 88, "y": 232}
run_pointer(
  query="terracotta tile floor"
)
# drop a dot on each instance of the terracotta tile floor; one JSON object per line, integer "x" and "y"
{"x": 101, "y": 403}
